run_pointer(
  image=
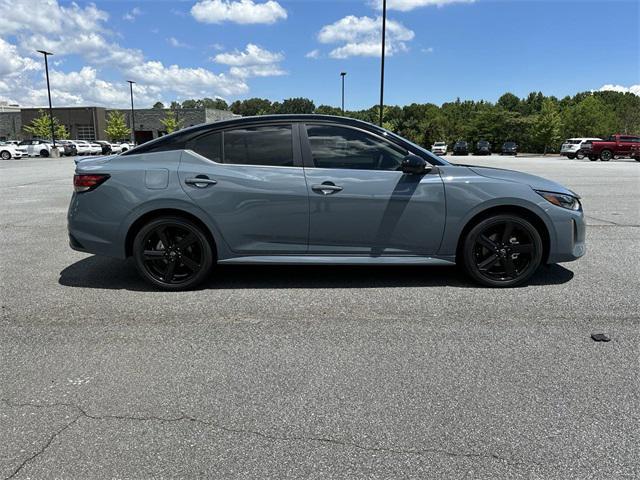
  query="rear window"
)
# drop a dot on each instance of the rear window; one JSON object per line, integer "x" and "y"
{"x": 573, "y": 142}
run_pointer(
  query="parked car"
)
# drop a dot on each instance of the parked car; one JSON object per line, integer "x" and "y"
{"x": 88, "y": 148}
{"x": 461, "y": 148}
{"x": 67, "y": 148}
{"x": 10, "y": 150}
{"x": 576, "y": 147}
{"x": 635, "y": 152}
{"x": 314, "y": 189}
{"x": 483, "y": 148}
{"x": 36, "y": 148}
{"x": 124, "y": 146}
{"x": 439, "y": 148}
{"x": 509, "y": 148}
{"x": 619, "y": 145}
{"x": 107, "y": 148}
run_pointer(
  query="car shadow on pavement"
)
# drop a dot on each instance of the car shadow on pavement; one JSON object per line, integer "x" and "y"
{"x": 105, "y": 273}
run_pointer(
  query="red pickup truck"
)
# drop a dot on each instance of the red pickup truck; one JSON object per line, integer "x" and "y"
{"x": 615, "y": 146}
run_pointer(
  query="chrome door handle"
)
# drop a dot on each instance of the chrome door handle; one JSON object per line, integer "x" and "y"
{"x": 200, "y": 182}
{"x": 326, "y": 188}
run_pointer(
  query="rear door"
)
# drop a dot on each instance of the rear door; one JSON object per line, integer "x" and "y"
{"x": 625, "y": 144}
{"x": 250, "y": 181}
{"x": 360, "y": 203}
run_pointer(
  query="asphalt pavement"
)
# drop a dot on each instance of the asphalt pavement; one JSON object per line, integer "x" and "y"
{"x": 309, "y": 372}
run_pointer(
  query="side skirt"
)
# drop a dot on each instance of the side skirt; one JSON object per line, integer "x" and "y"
{"x": 336, "y": 260}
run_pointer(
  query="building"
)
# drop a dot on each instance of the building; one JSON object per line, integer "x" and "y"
{"x": 89, "y": 123}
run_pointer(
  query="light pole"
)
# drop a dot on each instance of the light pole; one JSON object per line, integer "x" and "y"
{"x": 384, "y": 35}
{"x": 133, "y": 120}
{"x": 343, "y": 74}
{"x": 53, "y": 132}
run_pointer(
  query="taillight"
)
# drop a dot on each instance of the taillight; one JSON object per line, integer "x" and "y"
{"x": 86, "y": 183}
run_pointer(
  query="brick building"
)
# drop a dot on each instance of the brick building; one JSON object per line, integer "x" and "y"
{"x": 88, "y": 123}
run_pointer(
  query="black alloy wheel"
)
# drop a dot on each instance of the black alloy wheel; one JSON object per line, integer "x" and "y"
{"x": 606, "y": 155}
{"x": 502, "y": 251}
{"x": 44, "y": 153}
{"x": 173, "y": 253}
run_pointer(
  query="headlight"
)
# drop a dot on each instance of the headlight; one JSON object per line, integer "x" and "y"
{"x": 561, "y": 200}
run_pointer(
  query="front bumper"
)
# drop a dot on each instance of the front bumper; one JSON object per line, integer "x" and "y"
{"x": 570, "y": 232}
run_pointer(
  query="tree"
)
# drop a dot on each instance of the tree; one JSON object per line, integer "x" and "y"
{"x": 158, "y": 106}
{"x": 328, "y": 110}
{"x": 116, "y": 128}
{"x": 509, "y": 102}
{"x": 251, "y": 107}
{"x": 546, "y": 129}
{"x": 171, "y": 121}
{"x": 296, "y": 105}
{"x": 40, "y": 127}
{"x": 589, "y": 118}
{"x": 175, "y": 105}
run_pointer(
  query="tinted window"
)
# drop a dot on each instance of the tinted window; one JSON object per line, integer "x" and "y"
{"x": 272, "y": 145}
{"x": 208, "y": 145}
{"x": 340, "y": 147}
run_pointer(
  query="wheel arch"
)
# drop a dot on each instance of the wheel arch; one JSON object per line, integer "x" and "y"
{"x": 523, "y": 212}
{"x": 164, "y": 212}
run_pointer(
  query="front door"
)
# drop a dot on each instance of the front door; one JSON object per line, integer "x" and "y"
{"x": 360, "y": 203}
{"x": 251, "y": 183}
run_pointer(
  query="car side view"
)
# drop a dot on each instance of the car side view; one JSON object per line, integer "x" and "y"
{"x": 313, "y": 189}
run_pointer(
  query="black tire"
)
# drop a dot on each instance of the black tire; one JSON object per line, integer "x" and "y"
{"x": 5, "y": 155}
{"x": 571, "y": 156}
{"x": 593, "y": 158}
{"x": 606, "y": 155}
{"x": 44, "y": 153}
{"x": 502, "y": 251}
{"x": 173, "y": 253}
{"x": 580, "y": 155}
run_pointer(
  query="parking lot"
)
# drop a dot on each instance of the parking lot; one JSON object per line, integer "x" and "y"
{"x": 308, "y": 372}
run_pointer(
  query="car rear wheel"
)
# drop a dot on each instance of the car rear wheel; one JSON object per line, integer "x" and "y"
{"x": 502, "y": 251}
{"x": 580, "y": 155}
{"x": 606, "y": 155}
{"x": 570, "y": 156}
{"x": 593, "y": 158}
{"x": 5, "y": 155}
{"x": 173, "y": 253}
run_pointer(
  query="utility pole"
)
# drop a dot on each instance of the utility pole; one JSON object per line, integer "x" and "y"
{"x": 133, "y": 120}
{"x": 384, "y": 39}
{"x": 343, "y": 74}
{"x": 53, "y": 133}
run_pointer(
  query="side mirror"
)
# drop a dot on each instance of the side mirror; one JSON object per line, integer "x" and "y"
{"x": 415, "y": 165}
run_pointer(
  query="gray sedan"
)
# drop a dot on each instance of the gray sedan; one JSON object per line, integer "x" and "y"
{"x": 310, "y": 189}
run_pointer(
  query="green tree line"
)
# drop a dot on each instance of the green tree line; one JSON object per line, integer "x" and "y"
{"x": 537, "y": 123}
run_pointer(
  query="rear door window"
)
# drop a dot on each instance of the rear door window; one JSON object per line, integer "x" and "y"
{"x": 266, "y": 146}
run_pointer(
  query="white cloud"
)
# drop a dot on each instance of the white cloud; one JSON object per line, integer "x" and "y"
{"x": 82, "y": 33}
{"x": 254, "y": 61}
{"x": 252, "y": 55}
{"x": 362, "y": 36}
{"x": 131, "y": 15}
{"x": 408, "y": 5}
{"x": 241, "y": 11}
{"x": 635, "y": 89}
{"x": 313, "y": 54}
{"x": 174, "y": 42}
{"x": 187, "y": 81}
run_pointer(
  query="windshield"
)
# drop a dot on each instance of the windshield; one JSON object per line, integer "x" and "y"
{"x": 510, "y": 144}
{"x": 439, "y": 144}
{"x": 483, "y": 143}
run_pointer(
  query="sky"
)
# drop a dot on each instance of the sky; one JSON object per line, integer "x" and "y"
{"x": 437, "y": 50}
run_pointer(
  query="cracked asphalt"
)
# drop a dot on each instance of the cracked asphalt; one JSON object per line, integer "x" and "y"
{"x": 274, "y": 372}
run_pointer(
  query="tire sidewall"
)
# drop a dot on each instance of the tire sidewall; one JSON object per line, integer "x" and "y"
{"x": 2, "y": 154}
{"x": 138, "y": 248}
{"x": 470, "y": 240}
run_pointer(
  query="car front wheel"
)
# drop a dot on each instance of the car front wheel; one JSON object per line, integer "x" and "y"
{"x": 5, "y": 155}
{"x": 173, "y": 253}
{"x": 502, "y": 251}
{"x": 606, "y": 155}
{"x": 44, "y": 153}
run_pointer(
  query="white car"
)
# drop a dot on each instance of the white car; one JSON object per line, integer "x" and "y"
{"x": 37, "y": 147}
{"x": 10, "y": 150}
{"x": 124, "y": 146}
{"x": 574, "y": 147}
{"x": 439, "y": 148}
{"x": 87, "y": 148}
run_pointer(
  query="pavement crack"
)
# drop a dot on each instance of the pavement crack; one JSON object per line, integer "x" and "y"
{"x": 256, "y": 433}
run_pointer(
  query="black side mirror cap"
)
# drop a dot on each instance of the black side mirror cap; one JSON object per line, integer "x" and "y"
{"x": 415, "y": 165}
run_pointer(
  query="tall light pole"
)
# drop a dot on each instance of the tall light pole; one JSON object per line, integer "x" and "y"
{"x": 46, "y": 69}
{"x": 343, "y": 74}
{"x": 133, "y": 120}
{"x": 384, "y": 38}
